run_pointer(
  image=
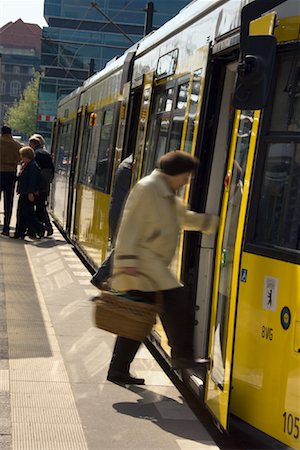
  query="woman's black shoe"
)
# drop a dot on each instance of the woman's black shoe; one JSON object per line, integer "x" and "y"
{"x": 188, "y": 363}
{"x": 123, "y": 378}
{"x": 49, "y": 231}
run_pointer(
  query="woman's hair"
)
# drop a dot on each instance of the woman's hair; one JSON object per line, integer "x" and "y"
{"x": 177, "y": 162}
{"x": 27, "y": 152}
{"x": 37, "y": 138}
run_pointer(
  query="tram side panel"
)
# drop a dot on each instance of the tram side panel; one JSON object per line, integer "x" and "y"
{"x": 95, "y": 166}
{"x": 266, "y": 369}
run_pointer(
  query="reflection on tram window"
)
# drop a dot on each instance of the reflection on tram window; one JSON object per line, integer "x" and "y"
{"x": 163, "y": 101}
{"x": 286, "y": 109}
{"x": 176, "y": 132}
{"x": 194, "y": 99}
{"x": 278, "y": 219}
{"x": 182, "y": 96}
{"x": 91, "y": 139}
{"x": 228, "y": 246}
{"x": 101, "y": 174}
{"x": 63, "y": 161}
{"x": 195, "y": 91}
{"x": 162, "y": 138}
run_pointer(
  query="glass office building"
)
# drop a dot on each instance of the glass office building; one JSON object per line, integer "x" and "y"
{"x": 82, "y": 38}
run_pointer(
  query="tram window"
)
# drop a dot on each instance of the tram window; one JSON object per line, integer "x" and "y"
{"x": 64, "y": 148}
{"x": 286, "y": 109}
{"x": 163, "y": 101}
{"x": 278, "y": 218}
{"x": 101, "y": 174}
{"x": 182, "y": 96}
{"x": 90, "y": 140}
{"x": 162, "y": 138}
{"x": 194, "y": 99}
{"x": 195, "y": 91}
{"x": 149, "y": 154}
{"x": 176, "y": 132}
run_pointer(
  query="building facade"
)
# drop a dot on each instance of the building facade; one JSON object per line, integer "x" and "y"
{"x": 82, "y": 38}
{"x": 20, "y": 49}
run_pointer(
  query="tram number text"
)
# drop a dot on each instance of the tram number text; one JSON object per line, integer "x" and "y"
{"x": 291, "y": 425}
{"x": 267, "y": 333}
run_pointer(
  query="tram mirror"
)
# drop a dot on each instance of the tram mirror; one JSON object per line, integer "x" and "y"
{"x": 255, "y": 71}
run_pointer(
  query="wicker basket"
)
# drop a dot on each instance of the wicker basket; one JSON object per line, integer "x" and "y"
{"x": 124, "y": 316}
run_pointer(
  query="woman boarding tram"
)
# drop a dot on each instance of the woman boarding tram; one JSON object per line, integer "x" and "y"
{"x": 146, "y": 243}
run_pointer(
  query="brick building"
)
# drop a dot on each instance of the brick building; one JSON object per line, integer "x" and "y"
{"x": 20, "y": 49}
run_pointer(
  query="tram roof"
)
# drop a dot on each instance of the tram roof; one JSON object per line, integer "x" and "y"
{"x": 68, "y": 97}
{"x": 190, "y": 13}
{"x": 112, "y": 66}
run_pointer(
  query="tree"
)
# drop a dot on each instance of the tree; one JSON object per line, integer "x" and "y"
{"x": 22, "y": 116}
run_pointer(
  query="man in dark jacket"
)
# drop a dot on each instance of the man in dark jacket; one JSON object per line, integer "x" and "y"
{"x": 118, "y": 196}
{"x": 9, "y": 158}
{"x": 44, "y": 161}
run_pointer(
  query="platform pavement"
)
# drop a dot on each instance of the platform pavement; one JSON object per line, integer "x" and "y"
{"x": 53, "y": 364}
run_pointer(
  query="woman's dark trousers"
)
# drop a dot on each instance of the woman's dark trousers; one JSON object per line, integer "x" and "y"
{"x": 41, "y": 210}
{"x": 178, "y": 323}
{"x": 26, "y": 217}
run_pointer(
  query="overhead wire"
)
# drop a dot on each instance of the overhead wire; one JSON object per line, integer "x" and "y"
{"x": 102, "y": 27}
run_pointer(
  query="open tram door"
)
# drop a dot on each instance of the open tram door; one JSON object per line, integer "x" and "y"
{"x": 258, "y": 50}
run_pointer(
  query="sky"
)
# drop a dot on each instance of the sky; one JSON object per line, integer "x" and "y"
{"x": 30, "y": 11}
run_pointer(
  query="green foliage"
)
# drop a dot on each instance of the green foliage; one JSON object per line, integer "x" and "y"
{"x": 22, "y": 116}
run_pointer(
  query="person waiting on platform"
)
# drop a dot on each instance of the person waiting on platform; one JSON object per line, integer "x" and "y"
{"x": 27, "y": 188}
{"x": 9, "y": 158}
{"x": 146, "y": 243}
{"x": 118, "y": 196}
{"x": 44, "y": 161}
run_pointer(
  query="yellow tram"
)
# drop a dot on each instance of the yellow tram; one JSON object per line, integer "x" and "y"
{"x": 221, "y": 80}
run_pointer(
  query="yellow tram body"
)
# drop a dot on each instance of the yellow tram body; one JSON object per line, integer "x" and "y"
{"x": 266, "y": 373}
{"x": 175, "y": 90}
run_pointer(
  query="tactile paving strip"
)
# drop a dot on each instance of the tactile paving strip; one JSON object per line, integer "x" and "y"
{"x": 47, "y": 437}
{"x": 43, "y": 410}
{"x": 4, "y": 380}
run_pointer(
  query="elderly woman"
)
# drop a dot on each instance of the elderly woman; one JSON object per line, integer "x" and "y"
{"x": 28, "y": 190}
{"x": 146, "y": 243}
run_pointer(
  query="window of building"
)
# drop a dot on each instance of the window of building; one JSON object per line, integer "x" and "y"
{"x": 2, "y": 87}
{"x": 15, "y": 88}
{"x": 16, "y": 69}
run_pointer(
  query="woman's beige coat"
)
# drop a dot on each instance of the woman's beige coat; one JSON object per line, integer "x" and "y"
{"x": 148, "y": 234}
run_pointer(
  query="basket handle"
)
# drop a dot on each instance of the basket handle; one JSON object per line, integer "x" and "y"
{"x": 158, "y": 293}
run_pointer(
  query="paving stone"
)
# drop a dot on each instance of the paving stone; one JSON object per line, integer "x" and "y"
{"x": 5, "y": 442}
{"x": 4, "y": 364}
{"x": 5, "y": 426}
{"x": 4, "y": 411}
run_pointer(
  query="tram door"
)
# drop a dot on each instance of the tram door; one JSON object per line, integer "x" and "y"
{"x": 228, "y": 253}
{"x": 73, "y": 170}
